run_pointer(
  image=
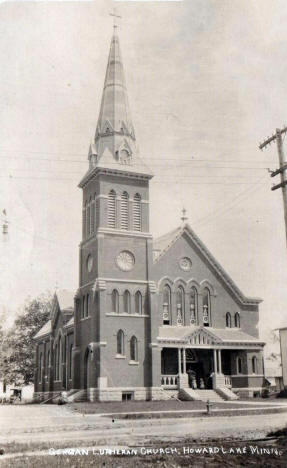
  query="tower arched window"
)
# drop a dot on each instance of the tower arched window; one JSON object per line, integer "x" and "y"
{"x": 92, "y": 229}
{"x": 85, "y": 221}
{"x": 180, "y": 305}
{"x": 228, "y": 320}
{"x": 125, "y": 211}
{"x": 127, "y": 302}
{"x": 112, "y": 209}
{"x": 138, "y": 303}
{"x": 134, "y": 349}
{"x": 237, "y": 320}
{"x": 254, "y": 365}
{"x": 239, "y": 365}
{"x": 83, "y": 306}
{"x": 193, "y": 301}
{"x": 137, "y": 213}
{"x": 88, "y": 219}
{"x": 166, "y": 311}
{"x": 115, "y": 301}
{"x": 206, "y": 307}
{"x": 95, "y": 213}
{"x": 120, "y": 343}
{"x": 87, "y": 305}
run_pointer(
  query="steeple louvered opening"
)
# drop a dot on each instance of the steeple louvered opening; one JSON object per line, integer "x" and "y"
{"x": 125, "y": 211}
{"x": 137, "y": 222}
{"x": 112, "y": 209}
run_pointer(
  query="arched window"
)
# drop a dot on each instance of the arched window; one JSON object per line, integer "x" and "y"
{"x": 84, "y": 306}
{"x": 228, "y": 320}
{"x": 125, "y": 211}
{"x": 120, "y": 343}
{"x": 56, "y": 363}
{"x": 87, "y": 305}
{"x": 112, "y": 209}
{"x": 237, "y": 320}
{"x": 60, "y": 359}
{"x": 95, "y": 213}
{"x": 134, "y": 349}
{"x": 89, "y": 219}
{"x": 70, "y": 361}
{"x": 254, "y": 365}
{"x": 180, "y": 305}
{"x": 48, "y": 359}
{"x": 40, "y": 367}
{"x": 206, "y": 307}
{"x": 193, "y": 300}
{"x": 138, "y": 303}
{"x": 166, "y": 312}
{"x": 115, "y": 301}
{"x": 92, "y": 216}
{"x": 239, "y": 365}
{"x": 127, "y": 302}
{"x": 84, "y": 221}
{"x": 137, "y": 213}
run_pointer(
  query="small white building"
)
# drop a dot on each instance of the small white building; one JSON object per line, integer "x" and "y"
{"x": 283, "y": 350}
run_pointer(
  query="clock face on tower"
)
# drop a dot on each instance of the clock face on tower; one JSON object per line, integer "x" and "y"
{"x": 125, "y": 260}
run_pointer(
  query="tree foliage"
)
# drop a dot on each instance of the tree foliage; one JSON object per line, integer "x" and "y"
{"x": 17, "y": 347}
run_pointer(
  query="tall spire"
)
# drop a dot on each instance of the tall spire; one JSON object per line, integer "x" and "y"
{"x": 115, "y": 137}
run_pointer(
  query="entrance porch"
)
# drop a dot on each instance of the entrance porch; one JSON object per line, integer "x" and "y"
{"x": 195, "y": 368}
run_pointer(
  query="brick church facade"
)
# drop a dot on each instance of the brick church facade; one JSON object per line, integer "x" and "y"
{"x": 151, "y": 319}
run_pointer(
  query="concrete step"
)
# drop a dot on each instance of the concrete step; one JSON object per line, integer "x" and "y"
{"x": 210, "y": 395}
{"x": 80, "y": 395}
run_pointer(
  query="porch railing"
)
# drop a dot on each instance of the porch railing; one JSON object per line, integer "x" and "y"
{"x": 169, "y": 381}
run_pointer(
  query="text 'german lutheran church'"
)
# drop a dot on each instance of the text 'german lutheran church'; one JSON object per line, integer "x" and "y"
{"x": 152, "y": 319}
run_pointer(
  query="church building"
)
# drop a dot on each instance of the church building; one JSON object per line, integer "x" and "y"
{"x": 152, "y": 318}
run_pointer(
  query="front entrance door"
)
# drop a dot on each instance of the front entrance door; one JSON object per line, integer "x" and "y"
{"x": 199, "y": 368}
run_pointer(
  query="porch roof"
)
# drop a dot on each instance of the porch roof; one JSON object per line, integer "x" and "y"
{"x": 208, "y": 335}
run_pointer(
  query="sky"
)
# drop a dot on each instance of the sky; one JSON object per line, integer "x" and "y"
{"x": 206, "y": 83}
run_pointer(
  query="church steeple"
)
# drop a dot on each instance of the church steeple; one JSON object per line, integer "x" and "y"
{"x": 114, "y": 144}
{"x": 114, "y": 114}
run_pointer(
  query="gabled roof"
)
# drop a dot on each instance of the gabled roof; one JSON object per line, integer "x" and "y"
{"x": 45, "y": 330}
{"x": 65, "y": 300}
{"x": 164, "y": 243}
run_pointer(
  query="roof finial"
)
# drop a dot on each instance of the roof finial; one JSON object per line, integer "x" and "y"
{"x": 115, "y": 16}
{"x": 184, "y": 218}
{"x": 4, "y": 222}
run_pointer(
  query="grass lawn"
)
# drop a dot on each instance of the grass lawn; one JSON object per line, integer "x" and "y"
{"x": 212, "y": 453}
{"x": 137, "y": 406}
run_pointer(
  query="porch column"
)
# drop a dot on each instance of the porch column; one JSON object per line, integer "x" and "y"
{"x": 219, "y": 362}
{"x": 179, "y": 360}
{"x": 215, "y": 361}
{"x": 184, "y": 360}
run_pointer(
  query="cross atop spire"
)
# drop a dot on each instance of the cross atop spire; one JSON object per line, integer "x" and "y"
{"x": 184, "y": 218}
{"x": 115, "y": 16}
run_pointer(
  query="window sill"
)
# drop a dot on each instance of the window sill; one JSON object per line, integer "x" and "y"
{"x": 120, "y": 356}
{"x": 84, "y": 318}
{"x": 125, "y": 314}
{"x": 133, "y": 363}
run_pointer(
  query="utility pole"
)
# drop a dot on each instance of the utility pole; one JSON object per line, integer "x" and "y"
{"x": 282, "y": 167}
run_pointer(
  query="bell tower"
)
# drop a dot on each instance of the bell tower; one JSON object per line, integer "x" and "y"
{"x": 116, "y": 247}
